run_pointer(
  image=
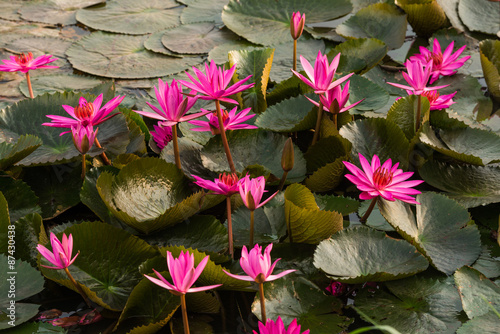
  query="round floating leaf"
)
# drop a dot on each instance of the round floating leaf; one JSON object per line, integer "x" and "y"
{"x": 40, "y": 45}
{"x": 440, "y": 230}
{"x": 450, "y": 7}
{"x": 298, "y": 298}
{"x": 478, "y": 185}
{"x": 404, "y": 113}
{"x": 424, "y": 16}
{"x": 59, "y": 83}
{"x": 307, "y": 222}
{"x": 485, "y": 324}
{"x": 416, "y": 306}
{"x": 381, "y": 21}
{"x": 480, "y": 15}
{"x": 132, "y": 17}
{"x": 343, "y": 205}
{"x": 293, "y": 114}
{"x": 54, "y": 11}
{"x": 359, "y": 55}
{"x": 107, "y": 265}
{"x": 123, "y": 56}
{"x": 24, "y": 312}
{"x": 21, "y": 198}
{"x": 489, "y": 50}
{"x": 153, "y": 43}
{"x": 374, "y": 97}
{"x": 362, "y": 254}
{"x": 268, "y": 22}
{"x": 327, "y": 177}
{"x": 12, "y": 153}
{"x": 203, "y": 11}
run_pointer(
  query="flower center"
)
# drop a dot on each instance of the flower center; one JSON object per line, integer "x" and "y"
{"x": 431, "y": 95}
{"x": 437, "y": 59}
{"x": 24, "y": 59}
{"x": 382, "y": 177}
{"x": 229, "y": 179}
{"x": 84, "y": 112}
{"x": 214, "y": 121}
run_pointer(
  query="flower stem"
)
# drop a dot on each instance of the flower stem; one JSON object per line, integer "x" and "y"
{"x": 87, "y": 301}
{"x": 289, "y": 230}
{"x": 262, "y": 303}
{"x": 318, "y": 123}
{"x": 251, "y": 228}
{"x": 282, "y": 181}
{"x": 84, "y": 167}
{"x": 229, "y": 226}
{"x": 335, "y": 124}
{"x": 184, "y": 314}
{"x": 295, "y": 55}
{"x": 29, "y": 85}
{"x": 370, "y": 209}
{"x": 419, "y": 107}
{"x": 104, "y": 157}
{"x": 224, "y": 138}
{"x": 176, "y": 147}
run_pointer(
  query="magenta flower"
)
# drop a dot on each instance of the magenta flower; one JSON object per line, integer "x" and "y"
{"x": 442, "y": 63}
{"x": 336, "y": 94}
{"x": 382, "y": 180}
{"x": 226, "y": 184}
{"x": 436, "y": 100}
{"x": 278, "y": 327}
{"x": 418, "y": 76}
{"x": 85, "y": 114}
{"x": 162, "y": 135}
{"x": 251, "y": 191}
{"x": 231, "y": 120}
{"x": 336, "y": 288}
{"x": 83, "y": 137}
{"x": 25, "y": 63}
{"x": 183, "y": 273}
{"x": 258, "y": 266}
{"x": 214, "y": 83}
{"x": 321, "y": 76}
{"x": 297, "y": 24}
{"x": 61, "y": 252}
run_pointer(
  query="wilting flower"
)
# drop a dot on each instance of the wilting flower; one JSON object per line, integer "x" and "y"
{"x": 258, "y": 266}
{"x": 321, "y": 76}
{"x": 214, "y": 83}
{"x": 436, "y": 100}
{"x": 277, "y": 327}
{"x": 183, "y": 273}
{"x": 382, "y": 180}
{"x": 83, "y": 137}
{"x": 341, "y": 96}
{"x": 297, "y": 24}
{"x": 231, "y": 121}
{"x": 251, "y": 191}
{"x": 61, "y": 252}
{"x": 86, "y": 113}
{"x": 442, "y": 63}
{"x": 336, "y": 288}
{"x": 25, "y": 63}
{"x": 162, "y": 135}
{"x": 418, "y": 76}
{"x": 226, "y": 184}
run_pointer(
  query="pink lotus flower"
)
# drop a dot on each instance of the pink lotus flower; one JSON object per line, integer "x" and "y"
{"x": 173, "y": 103}
{"x": 297, "y": 24}
{"x": 61, "y": 252}
{"x": 321, "y": 76}
{"x": 162, "y": 135}
{"x": 382, "y": 180}
{"x": 418, "y": 76}
{"x": 214, "y": 83}
{"x": 25, "y": 63}
{"x": 251, "y": 191}
{"x": 436, "y": 100}
{"x": 278, "y": 327}
{"x": 226, "y": 184}
{"x": 258, "y": 266}
{"x": 85, "y": 114}
{"x": 341, "y": 96}
{"x": 183, "y": 273}
{"x": 442, "y": 63}
{"x": 83, "y": 137}
{"x": 231, "y": 120}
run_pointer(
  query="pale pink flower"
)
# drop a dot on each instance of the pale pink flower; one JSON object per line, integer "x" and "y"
{"x": 277, "y": 327}
{"x": 183, "y": 273}
{"x": 418, "y": 76}
{"x": 252, "y": 190}
{"x": 214, "y": 83}
{"x": 226, "y": 184}
{"x": 25, "y": 63}
{"x": 83, "y": 137}
{"x": 61, "y": 252}
{"x": 162, "y": 135}
{"x": 297, "y": 24}
{"x": 436, "y": 100}
{"x": 258, "y": 266}
{"x": 383, "y": 180}
{"x": 231, "y": 121}
{"x": 321, "y": 76}
{"x": 336, "y": 94}
{"x": 85, "y": 114}
{"x": 442, "y": 63}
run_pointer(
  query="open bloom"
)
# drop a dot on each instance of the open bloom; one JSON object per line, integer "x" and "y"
{"x": 25, "y": 62}
{"x": 382, "y": 180}
{"x": 251, "y": 191}
{"x": 258, "y": 266}
{"x": 226, "y": 184}
{"x": 83, "y": 137}
{"x": 61, "y": 252}
{"x": 86, "y": 113}
{"x": 214, "y": 84}
{"x": 277, "y": 327}
{"x": 321, "y": 76}
{"x": 418, "y": 76}
{"x": 231, "y": 121}
{"x": 443, "y": 63}
{"x": 297, "y": 24}
{"x": 436, "y": 100}
{"x": 335, "y": 99}
{"x": 183, "y": 273}
{"x": 162, "y": 135}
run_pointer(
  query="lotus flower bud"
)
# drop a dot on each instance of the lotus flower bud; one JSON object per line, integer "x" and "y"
{"x": 297, "y": 24}
{"x": 288, "y": 156}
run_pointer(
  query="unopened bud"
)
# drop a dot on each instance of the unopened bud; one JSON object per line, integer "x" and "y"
{"x": 297, "y": 24}
{"x": 250, "y": 201}
{"x": 288, "y": 156}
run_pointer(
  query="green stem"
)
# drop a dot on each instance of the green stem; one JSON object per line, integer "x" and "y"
{"x": 370, "y": 209}
{"x": 282, "y": 181}
{"x": 184, "y": 314}
{"x": 104, "y": 157}
{"x": 318, "y": 123}
{"x": 229, "y": 226}
{"x": 251, "y": 227}
{"x": 84, "y": 167}
{"x": 224, "y": 138}
{"x": 262, "y": 303}
{"x": 77, "y": 286}
{"x": 29, "y": 85}
{"x": 419, "y": 107}
{"x": 176, "y": 147}
{"x": 295, "y": 55}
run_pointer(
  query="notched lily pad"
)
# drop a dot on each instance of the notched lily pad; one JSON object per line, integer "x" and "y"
{"x": 54, "y": 11}
{"x": 359, "y": 55}
{"x": 10, "y": 153}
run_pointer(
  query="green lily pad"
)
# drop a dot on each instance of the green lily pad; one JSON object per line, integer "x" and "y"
{"x": 153, "y": 43}
{"x": 489, "y": 50}
{"x": 40, "y": 45}
{"x": 107, "y": 265}
{"x": 59, "y": 83}
{"x": 123, "y": 56}
{"x": 440, "y": 230}
{"x": 325, "y": 151}
{"x": 307, "y": 222}
{"x": 381, "y": 21}
{"x": 34, "y": 327}
{"x": 54, "y": 11}
{"x": 374, "y": 97}
{"x": 327, "y": 177}
{"x": 404, "y": 113}
{"x": 480, "y": 15}
{"x": 416, "y": 306}
{"x": 11, "y": 153}
{"x": 450, "y": 7}
{"x": 29, "y": 232}
{"x": 486, "y": 264}
{"x": 298, "y": 298}
{"x": 478, "y": 185}
{"x": 135, "y": 18}
{"x": 484, "y": 324}
{"x": 362, "y": 254}
{"x": 424, "y": 16}
{"x": 203, "y": 11}
{"x": 343, "y": 205}
{"x": 21, "y": 198}
{"x": 359, "y": 55}
{"x": 293, "y": 114}
{"x": 270, "y": 20}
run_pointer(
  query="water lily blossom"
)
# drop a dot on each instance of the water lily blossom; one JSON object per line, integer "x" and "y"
{"x": 61, "y": 253}
{"x": 252, "y": 190}
{"x": 278, "y": 327}
{"x": 26, "y": 62}
{"x": 436, "y": 100}
{"x": 231, "y": 120}
{"x": 297, "y": 24}
{"x": 162, "y": 135}
{"x": 341, "y": 96}
{"x": 417, "y": 77}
